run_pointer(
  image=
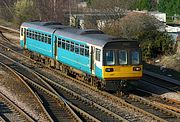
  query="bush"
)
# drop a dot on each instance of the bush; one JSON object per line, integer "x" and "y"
{"x": 24, "y": 11}
{"x": 154, "y": 43}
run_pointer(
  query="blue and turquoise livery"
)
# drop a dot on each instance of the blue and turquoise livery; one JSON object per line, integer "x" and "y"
{"x": 89, "y": 53}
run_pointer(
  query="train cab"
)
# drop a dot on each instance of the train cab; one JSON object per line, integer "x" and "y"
{"x": 121, "y": 62}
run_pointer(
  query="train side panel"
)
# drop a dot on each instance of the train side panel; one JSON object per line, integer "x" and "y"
{"x": 70, "y": 58}
{"x": 40, "y": 45}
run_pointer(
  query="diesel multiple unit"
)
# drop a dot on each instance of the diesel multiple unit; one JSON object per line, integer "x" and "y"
{"x": 89, "y": 55}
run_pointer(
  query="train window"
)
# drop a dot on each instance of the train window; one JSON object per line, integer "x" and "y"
{"x": 32, "y": 34}
{"x": 72, "y": 47}
{"x": 63, "y": 43}
{"x": 49, "y": 39}
{"x": 67, "y": 45}
{"x": 135, "y": 57}
{"x": 35, "y": 35}
{"x": 98, "y": 54}
{"x": 46, "y": 38}
{"x": 28, "y": 33}
{"x": 38, "y": 36}
{"x": 22, "y": 31}
{"x": 122, "y": 57}
{"x": 81, "y": 49}
{"x": 59, "y": 42}
{"x": 76, "y": 48}
{"x": 42, "y": 38}
{"x": 87, "y": 51}
{"x": 110, "y": 57}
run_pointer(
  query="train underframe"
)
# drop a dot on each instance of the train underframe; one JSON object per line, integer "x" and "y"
{"x": 84, "y": 77}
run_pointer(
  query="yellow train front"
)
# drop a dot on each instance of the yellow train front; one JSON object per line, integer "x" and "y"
{"x": 121, "y": 63}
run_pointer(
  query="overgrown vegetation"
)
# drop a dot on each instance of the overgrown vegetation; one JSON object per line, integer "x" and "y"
{"x": 155, "y": 43}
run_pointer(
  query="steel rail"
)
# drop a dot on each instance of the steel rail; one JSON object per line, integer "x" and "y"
{"x": 177, "y": 110}
{"x": 16, "y": 108}
{"x": 82, "y": 98}
{"x": 59, "y": 98}
{"x": 46, "y": 84}
{"x": 154, "y": 105}
{"x": 38, "y": 100}
{"x": 2, "y": 120}
{"x": 101, "y": 108}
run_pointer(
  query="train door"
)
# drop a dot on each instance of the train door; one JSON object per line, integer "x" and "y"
{"x": 55, "y": 48}
{"x": 25, "y": 37}
{"x": 92, "y": 60}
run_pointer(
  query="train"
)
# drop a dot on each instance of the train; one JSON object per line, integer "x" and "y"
{"x": 104, "y": 61}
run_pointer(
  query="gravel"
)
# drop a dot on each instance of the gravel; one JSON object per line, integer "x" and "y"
{"x": 20, "y": 94}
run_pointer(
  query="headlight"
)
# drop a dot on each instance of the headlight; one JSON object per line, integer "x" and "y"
{"x": 136, "y": 68}
{"x": 109, "y": 69}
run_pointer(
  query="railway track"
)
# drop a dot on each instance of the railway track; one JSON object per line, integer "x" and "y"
{"x": 9, "y": 110}
{"x": 103, "y": 114}
{"x": 58, "y": 110}
{"x": 171, "y": 86}
{"x": 157, "y": 99}
{"x": 155, "y": 108}
{"x": 115, "y": 99}
{"x": 12, "y": 112}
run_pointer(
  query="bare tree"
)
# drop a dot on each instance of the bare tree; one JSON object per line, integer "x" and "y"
{"x": 6, "y": 9}
{"x": 132, "y": 25}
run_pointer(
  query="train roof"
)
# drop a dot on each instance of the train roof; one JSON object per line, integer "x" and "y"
{"x": 91, "y": 36}
{"x": 44, "y": 26}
